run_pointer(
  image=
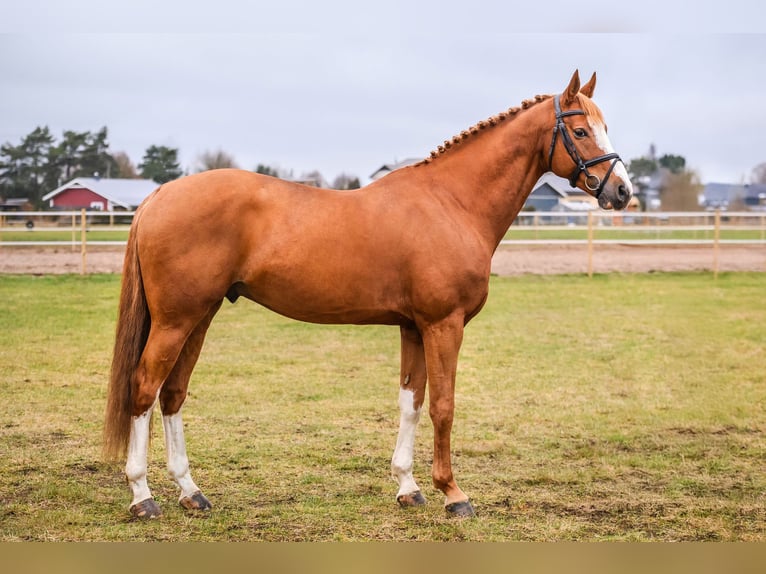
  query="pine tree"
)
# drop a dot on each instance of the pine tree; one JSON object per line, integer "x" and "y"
{"x": 160, "y": 163}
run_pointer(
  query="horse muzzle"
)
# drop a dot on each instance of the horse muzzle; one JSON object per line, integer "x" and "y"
{"x": 615, "y": 195}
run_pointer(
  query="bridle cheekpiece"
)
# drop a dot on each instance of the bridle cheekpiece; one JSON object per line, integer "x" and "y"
{"x": 592, "y": 182}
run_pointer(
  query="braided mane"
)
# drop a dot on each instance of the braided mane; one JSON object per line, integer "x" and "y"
{"x": 482, "y": 125}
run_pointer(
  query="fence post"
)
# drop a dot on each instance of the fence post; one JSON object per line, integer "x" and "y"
{"x": 74, "y": 228}
{"x": 716, "y": 239}
{"x": 590, "y": 244}
{"x": 83, "y": 250}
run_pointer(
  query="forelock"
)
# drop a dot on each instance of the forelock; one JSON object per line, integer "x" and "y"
{"x": 590, "y": 108}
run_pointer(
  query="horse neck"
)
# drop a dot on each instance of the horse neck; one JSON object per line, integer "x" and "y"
{"x": 491, "y": 173}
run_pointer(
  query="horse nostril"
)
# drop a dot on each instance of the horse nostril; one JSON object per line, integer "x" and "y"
{"x": 622, "y": 193}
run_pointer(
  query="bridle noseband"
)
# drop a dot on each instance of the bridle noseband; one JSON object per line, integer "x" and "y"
{"x": 592, "y": 182}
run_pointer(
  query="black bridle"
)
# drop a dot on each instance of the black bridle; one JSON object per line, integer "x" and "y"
{"x": 592, "y": 182}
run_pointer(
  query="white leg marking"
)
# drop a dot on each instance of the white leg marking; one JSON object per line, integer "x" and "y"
{"x": 135, "y": 467}
{"x": 401, "y": 462}
{"x": 178, "y": 462}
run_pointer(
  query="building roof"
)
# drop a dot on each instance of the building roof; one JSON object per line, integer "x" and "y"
{"x": 14, "y": 203}
{"x": 387, "y": 168}
{"x": 559, "y": 185}
{"x": 127, "y": 193}
{"x": 722, "y": 193}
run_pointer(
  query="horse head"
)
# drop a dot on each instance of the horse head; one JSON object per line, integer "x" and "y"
{"x": 580, "y": 149}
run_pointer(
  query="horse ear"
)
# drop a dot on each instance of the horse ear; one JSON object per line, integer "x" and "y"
{"x": 572, "y": 89}
{"x": 588, "y": 88}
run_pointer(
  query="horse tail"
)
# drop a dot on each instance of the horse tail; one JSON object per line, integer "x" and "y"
{"x": 133, "y": 324}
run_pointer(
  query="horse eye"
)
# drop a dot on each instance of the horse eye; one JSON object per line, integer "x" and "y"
{"x": 580, "y": 133}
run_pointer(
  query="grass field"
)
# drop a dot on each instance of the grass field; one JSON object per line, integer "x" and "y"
{"x": 625, "y": 407}
{"x": 64, "y": 235}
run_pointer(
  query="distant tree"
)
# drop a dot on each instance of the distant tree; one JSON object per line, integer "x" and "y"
{"x": 681, "y": 191}
{"x": 26, "y": 169}
{"x": 125, "y": 168}
{"x": 69, "y": 152}
{"x": 39, "y": 164}
{"x": 669, "y": 174}
{"x": 674, "y": 163}
{"x": 267, "y": 170}
{"x": 315, "y": 178}
{"x": 160, "y": 163}
{"x": 758, "y": 174}
{"x": 95, "y": 157}
{"x": 642, "y": 167}
{"x": 218, "y": 159}
{"x": 346, "y": 181}
{"x": 83, "y": 154}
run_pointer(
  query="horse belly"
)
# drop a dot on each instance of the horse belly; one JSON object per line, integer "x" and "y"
{"x": 322, "y": 307}
{"x": 319, "y": 290}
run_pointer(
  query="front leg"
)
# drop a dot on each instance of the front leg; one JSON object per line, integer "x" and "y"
{"x": 412, "y": 387}
{"x": 442, "y": 342}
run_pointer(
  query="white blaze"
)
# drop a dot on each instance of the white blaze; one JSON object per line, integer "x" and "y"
{"x": 602, "y": 141}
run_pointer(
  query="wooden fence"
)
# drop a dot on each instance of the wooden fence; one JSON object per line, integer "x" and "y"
{"x": 81, "y": 229}
{"x": 713, "y": 228}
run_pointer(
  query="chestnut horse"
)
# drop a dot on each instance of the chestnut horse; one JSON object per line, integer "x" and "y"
{"x": 412, "y": 249}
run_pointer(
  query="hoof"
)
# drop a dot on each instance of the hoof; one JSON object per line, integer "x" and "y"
{"x": 146, "y": 510}
{"x": 412, "y": 499}
{"x": 463, "y": 509}
{"x": 196, "y": 501}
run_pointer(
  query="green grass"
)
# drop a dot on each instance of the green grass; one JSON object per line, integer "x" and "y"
{"x": 59, "y": 234}
{"x": 625, "y": 407}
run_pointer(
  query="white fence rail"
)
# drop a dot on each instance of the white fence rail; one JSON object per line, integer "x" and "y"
{"x": 661, "y": 228}
{"x": 38, "y": 224}
{"x": 83, "y": 229}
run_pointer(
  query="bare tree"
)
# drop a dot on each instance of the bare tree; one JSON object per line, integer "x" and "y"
{"x": 681, "y": 191}
{"x": 126, "y": 169}
{"x": 346, "y": 181}
{"x": 313, "y": 178}
{"x": 758, "y": 175}
{"x": 218, "y": 159}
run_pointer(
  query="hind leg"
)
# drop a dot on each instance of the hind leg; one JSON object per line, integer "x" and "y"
{"x": 142, "y": 505}
{"x": 162, "y": 349}
{"x": 172, "y": 397}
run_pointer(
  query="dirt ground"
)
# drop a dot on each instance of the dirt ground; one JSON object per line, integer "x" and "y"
{"x": 515, "y": 260}
{"x": 508, "y": 260}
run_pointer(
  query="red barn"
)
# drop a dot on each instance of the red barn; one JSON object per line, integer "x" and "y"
{"x": 100, "y": 194}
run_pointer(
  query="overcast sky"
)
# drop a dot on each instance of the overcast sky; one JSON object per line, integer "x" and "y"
{"x": 338, "y": 88}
